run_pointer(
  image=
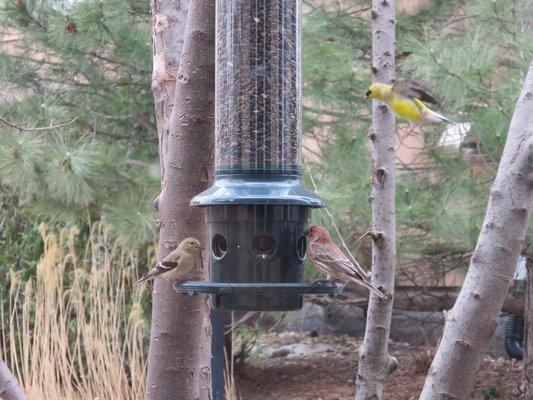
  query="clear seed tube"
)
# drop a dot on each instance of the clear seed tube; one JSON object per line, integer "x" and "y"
{"x": 258, "y": 87}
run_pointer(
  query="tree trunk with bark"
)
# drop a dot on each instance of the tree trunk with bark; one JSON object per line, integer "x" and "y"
{"x": 469, "y": 325}
{"x": 168, "y": 29}
{"x": 528, "y": 336}
{"x": 10, "y": 388}
{"x": 183, "y": 85}
{"x": 374, "y": 359}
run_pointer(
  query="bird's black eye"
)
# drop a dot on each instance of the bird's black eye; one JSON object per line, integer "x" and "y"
{"x": 368, "y": 93}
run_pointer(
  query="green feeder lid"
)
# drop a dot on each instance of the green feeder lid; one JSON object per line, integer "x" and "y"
{"x": 258, "y": 189}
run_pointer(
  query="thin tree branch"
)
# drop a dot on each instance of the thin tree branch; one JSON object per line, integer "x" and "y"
{"x": 357, "y": 265}
{"x": 39, "y": 129}
{"x": 375, "y": 363}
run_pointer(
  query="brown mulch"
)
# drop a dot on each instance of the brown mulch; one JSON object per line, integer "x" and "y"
{"x": 330, "y": 374}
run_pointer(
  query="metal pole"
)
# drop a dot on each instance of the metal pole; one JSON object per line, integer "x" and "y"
{"x": 218, "y": 359}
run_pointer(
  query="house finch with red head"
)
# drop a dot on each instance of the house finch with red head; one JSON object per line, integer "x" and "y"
{"x": 327, "y": 257}
{"x": 179, "y": 265}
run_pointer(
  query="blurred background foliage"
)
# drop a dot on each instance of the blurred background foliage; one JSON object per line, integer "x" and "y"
{"x": 78, "y": 141}
{"x": 79, "y": 154}
{"x": 473, "y": 56}
{"x": 85, "y": 69}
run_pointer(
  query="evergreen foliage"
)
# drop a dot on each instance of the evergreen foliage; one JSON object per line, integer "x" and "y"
{"x": 86, "y": 69}
{"x": 86, "y": 66}
{"x": 473, "y": 55}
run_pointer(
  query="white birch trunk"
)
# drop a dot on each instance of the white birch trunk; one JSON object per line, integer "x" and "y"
{"x": 374, "y": 360}
{"x": 470, "y": 323}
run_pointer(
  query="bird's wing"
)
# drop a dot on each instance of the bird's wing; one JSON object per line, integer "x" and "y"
{"x": 160, "y": 268}
{"x": 336, "y": 257}
{"x": 337, "y": 253}
{"x": 167, "y": 265}
{"x": 335, "y": 262}
{"x": 414, "y": 91}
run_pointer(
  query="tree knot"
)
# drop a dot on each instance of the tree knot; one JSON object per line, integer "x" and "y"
{"x": 380, "y": 175}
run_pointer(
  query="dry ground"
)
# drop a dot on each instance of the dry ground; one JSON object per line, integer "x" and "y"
{"x": 295, "y": 366}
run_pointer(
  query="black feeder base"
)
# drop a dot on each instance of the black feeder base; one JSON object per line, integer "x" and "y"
{"x": 258, "y": 296}
{"x": 258, "y": 243}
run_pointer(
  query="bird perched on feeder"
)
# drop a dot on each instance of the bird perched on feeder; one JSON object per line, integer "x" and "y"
{"x": 178, "y": 265}
{"x": 327, "y": 257}
{"x": 408, "y": 101}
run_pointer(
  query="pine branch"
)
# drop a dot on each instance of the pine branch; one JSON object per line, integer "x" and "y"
{"x": 38, "y": 129}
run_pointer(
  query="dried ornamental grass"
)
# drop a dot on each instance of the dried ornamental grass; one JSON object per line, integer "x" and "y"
{"x": 76, "y": 330}
{"x": 230, "y": 388}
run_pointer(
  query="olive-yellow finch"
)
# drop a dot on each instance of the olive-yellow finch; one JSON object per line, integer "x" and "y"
{"x": 327, "y": 257}
{"x": 407, "y": 101}
{"x": 178, "y": 266}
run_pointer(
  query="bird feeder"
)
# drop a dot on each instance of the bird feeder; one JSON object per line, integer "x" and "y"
{"x": 258, "y": 209}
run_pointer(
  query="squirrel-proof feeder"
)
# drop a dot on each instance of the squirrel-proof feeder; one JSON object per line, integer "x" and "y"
{"x": 258, "y": 209}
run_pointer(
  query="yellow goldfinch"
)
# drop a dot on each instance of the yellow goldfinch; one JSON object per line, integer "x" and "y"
{"x": 407, "y": 101}
{"x": 178, "y": 266}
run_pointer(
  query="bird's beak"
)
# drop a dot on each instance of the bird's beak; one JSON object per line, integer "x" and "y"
{"x": 306, "y": 232}
{"x": 200, "y": 246}
{"x": 365, "y": 97}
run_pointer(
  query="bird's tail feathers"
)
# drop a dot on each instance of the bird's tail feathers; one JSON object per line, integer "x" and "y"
{"x": 149, "y": 275}
{"x": 432, "y": 116}
{"x": 144, "y": 278}
{"x": 369, "y": 286}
